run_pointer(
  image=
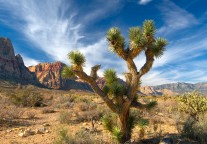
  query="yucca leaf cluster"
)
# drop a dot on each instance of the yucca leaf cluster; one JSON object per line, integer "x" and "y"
{"x": 112, "y": 86}
{"x": 67, "y": 72}
{"x": 76, "y": 58}
{"x": 116, "y": 39}
{"x": 140, "y": 38}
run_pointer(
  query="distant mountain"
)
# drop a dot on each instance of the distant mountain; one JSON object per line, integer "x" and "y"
{"x": 49, "y": 75}
{"x": 12, "y": 67}
{"x": 181, "y": 88}
{"x": 150, "y": 90}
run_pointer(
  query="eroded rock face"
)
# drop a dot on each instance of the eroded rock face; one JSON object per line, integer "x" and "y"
{"x": 12, "y": 67}
{"x": 150, "y": 90}
{"x": 49, "y": 74}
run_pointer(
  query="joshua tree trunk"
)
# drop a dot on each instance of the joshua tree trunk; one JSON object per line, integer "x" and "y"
{"x": 125, "y": 130}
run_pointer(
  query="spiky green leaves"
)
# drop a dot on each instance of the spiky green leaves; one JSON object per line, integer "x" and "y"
{"x": 76, "y": 58}
{"x": 131, "y": 122}
{"x": 117, "y": 134}
{"x": 116, "y": 40}
{"x": 110, "y": 76}
{"x": 136, "y": 38}
{"x": 151, "y": 104}
{"x": 159, "y": 47}
{"x": 67, "y": 72}
{"x": 116, "y": 89}
{"x": 112, "y": 86}
{"x": 110, "y": 123}
{"x": 148, "y": 28}
{"x": 140, "y": 39}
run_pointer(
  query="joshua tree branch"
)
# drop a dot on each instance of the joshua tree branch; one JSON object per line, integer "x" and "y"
{"x": 90, "y": 80}
{"x": 148, "y": 64}
{"x": 94, "y": 70}
{"x": 132, "y": 86}
{"x": 120, "y": 51}
{"x": 134, "y": 52}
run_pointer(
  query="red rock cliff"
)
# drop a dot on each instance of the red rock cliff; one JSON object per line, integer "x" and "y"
{"x": 49, "y": 74}
{"x": 12, "y": 67}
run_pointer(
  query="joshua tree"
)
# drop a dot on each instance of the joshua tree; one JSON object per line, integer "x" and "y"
{"x": 120, "y": 98}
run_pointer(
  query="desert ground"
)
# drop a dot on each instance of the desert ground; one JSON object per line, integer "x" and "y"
{"x": 78, "y": 113}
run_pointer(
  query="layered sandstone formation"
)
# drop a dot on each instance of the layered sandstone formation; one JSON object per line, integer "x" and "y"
{"x": 12, "y": 67}
{"x": 49, "y": 75}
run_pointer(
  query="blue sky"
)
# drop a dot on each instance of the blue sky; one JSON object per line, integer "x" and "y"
{"x": 45, "y": 31}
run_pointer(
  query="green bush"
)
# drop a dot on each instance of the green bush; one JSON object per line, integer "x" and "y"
{"x": 195, "y": 106}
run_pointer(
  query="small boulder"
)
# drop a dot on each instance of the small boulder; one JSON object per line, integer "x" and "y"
{"x": 21, "y": 134}
{"x": 8, "y": 131}
{"x": 41, "y": 130}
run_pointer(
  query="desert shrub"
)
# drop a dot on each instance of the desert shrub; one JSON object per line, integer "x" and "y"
{"x": 196, "y": 131}
{"x": 8, "y": 111}
{"x": 195, "y": 106}
{"x": 8, "y": 114}
{"x": 65, "y": 101}
{"x": 26, "y": 97}
{"x": 84, "y": 136}
{"x": 64, "y": 138}
{"x": 83, "y": 106}
{"x": 79, "y": 99}
{"x": 81, "y": 137}
{"x": 86, "y": 105}
{"x": 89, "y": 115}
{"x": 65, "y": 117}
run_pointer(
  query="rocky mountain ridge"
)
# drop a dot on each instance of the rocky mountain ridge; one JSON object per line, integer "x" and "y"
{"x": 182, "y": 87}
{"x": 12, "y": 66}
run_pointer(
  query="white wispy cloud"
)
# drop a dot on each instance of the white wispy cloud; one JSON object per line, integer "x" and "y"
{"x": 144, "y": 2}
{"x": 46, "y": 25}
{"x": 51, "y": 27}
{"x": 175, "y": 18}
{"x": 29, "y": 61}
